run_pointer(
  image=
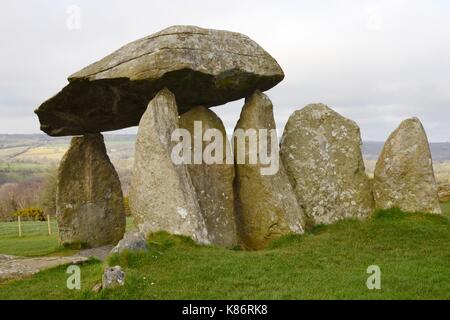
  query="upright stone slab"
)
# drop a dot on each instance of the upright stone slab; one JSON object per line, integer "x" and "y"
{"x": 266, "y": 205}
{"x": 213, "y": 182}
{"x": 89, "y": 200}
{"x": 404, "y": 176}
{"x": 162, "y": 197}
{"x": 321, "y": 151}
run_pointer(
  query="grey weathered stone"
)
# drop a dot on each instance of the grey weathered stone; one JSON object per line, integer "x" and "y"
{"x": 99, "y": 253}
{"x": 266, "y": 205}
{"x": 213, "y": 183}
{"x": 113, "y": 278}
{"x": 200, "y": 66}
{"x": 15, "y": 268}
{"x": 321, "y": 151}
{"x": 404, "y": 176}
{"x": 132, "y": 241}
{"x": 444, "y": 192}
{"x": 162, "y": 197}
{"x": 89, "y": 202}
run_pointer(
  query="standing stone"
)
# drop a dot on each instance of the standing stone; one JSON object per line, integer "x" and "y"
{"x": 266, "y": 205}
{"x": 162, "y": 197}
{"x": 404, "y": 176}
{"x": 213, "y": 183}
{"x": 89, "y": 197}
{"x": 321, "y": 151}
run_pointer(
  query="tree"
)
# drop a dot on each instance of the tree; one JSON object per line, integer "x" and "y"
{"x": 47, "y": 197}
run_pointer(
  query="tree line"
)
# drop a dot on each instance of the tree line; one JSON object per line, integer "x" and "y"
{"x": 28, "y": 196}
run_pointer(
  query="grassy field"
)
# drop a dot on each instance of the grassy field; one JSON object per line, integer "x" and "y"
{"x": 446, "y": 209}
{"x": 35, "y": 240}
{"x": 19, "y": 172}
{"x": 330, "y": 262}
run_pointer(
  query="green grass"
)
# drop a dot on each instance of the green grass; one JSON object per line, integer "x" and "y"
{"x": 35, "y": 240}
{"x": 23, "y": 171}
{"x": 330, "y": 262}
{"x": 446, "y": 209}
{"x": 23, "y": 166}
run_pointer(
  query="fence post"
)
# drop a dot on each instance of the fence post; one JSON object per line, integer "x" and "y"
{"x": 20, "y": 226}
{"x": 49, "y": 226}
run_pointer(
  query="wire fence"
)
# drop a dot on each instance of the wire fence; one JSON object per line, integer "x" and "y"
{"x": 27, "y": 229}
{"x": 36, "y": 228}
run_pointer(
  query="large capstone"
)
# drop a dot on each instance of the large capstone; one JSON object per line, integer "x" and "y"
{"x": 90, "y": 208}
{"x": 404, "y": 176}
{"x": 266, "y": 205}
{"x": 212, "y": 176}
{"x": 321, "y": 151}
{"x": 200, "y": 66}
{"x": 162, "y": 197}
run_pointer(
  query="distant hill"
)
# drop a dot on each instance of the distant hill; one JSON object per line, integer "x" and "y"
{"x": 16, "y": 144}
{"x": 28, "y": 157}
{"x": 440, "y": 150}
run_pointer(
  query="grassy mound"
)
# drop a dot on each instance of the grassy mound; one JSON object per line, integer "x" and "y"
{"x": 328, "y": 262}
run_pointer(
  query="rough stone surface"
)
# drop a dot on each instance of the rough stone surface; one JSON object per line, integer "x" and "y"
{"x": 444, "y": 192}
{"x": 132, "y": 241}
{"x": 404, "y": 176}
{"x": 200, "y": 66}
{"x": 213, "y": 183}
{"x": 15, "y": 268}
{"x": 321, "y": 151}
{"x": 266, "y": 205}
{"x": 162, "y": 197}
{"x": 113, "y": 278}
{"x": 100, "y": 253}
{"x": 89, "y": 199}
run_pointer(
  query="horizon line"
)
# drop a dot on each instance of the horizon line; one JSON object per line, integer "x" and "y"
{"x": 134, "y": 134}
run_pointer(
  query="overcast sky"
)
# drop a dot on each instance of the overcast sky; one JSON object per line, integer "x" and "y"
{"x": 376, "y": 62}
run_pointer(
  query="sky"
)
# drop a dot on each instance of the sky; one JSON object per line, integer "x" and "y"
{"x": 375, "y": 62}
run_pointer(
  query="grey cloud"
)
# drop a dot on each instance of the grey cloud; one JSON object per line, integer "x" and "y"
{"x": 376, "y": 62}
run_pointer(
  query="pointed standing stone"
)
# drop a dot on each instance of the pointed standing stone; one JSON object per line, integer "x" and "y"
{"x": 321, "y": 151}
{"x": 266, "y": 205}
{"x": 404, "y": 176}
{"x": 213, "y": 182}
{"x": 162, "y": 197}
{"x": 89, "y": 201}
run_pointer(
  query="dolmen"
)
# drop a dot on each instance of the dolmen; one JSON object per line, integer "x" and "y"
{"x": 164, "y": 82}
{"x": 191, "y": 179}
